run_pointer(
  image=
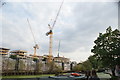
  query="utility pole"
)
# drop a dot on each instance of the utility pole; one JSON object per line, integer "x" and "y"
{"x": 58, "y": 49}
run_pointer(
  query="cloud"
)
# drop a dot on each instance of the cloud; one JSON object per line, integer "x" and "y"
{"x": 89, "y": 22}
{"x": 60, "y": 0}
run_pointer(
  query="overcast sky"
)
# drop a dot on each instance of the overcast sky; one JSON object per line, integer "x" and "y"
{"x": 77, "y": 26}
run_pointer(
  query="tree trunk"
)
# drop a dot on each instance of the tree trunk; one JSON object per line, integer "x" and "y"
{"x": 113, "y": 71}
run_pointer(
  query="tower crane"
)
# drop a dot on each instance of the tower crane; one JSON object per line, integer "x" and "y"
{"x": 36, "y": 45}
{"x": 2, "y": 3}
{"x": 50, "y": 33}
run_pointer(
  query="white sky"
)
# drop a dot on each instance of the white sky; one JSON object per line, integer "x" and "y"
{"x": 78, "y": 25}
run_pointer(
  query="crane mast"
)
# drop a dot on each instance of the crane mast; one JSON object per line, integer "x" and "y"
{"x": 50, "y": 47}
{"x": 35, "y": 48}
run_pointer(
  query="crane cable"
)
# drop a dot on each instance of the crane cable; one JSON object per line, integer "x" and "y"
{"x": 57, "y": 15}
{"x": 31, "y": 30}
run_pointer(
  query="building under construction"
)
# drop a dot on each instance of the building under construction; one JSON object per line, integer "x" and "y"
{"x": 17, "y": 61}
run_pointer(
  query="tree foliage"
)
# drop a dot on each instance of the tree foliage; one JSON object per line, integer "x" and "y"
{"x": 13, "y": 56}
{"x": 95, "y": 63}
{"x": 78, "y": 68}
{"x": 107, "y": 47}
{"x": 86, "y": 65}
{"x": 53, "y": 68}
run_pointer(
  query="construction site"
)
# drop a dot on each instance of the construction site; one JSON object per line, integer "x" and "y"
{"x": 19, "y": 62}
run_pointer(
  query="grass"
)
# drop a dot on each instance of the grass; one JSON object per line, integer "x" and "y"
{"x": 100, "y": 75}
{"x": 28, "y": 76}
{"x": 103, "y": 75}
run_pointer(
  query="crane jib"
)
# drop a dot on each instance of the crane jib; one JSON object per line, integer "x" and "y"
{"x": 57, "y": 15}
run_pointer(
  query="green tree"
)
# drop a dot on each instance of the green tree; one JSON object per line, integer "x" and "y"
{"x": 78, "y": 67}
{"x": 21, "y": 65}
{"x": 39, "y": 66}
{"x": 107, "y": 48}
{"x": 95, "y": 63}
{"x": 86, "y": 65}
{"x": 53, "y": 68}
{"x": 13, "y": 56}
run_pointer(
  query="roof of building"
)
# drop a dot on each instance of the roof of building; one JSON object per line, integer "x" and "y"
{"x": 18, "y": 51}
{"x": 1, "y": 48}
{"x": 61, "y": 57}
{"x": 47, "y": 55}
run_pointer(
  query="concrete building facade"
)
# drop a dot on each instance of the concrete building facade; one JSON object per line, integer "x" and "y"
{"x": 18, "y": 60}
